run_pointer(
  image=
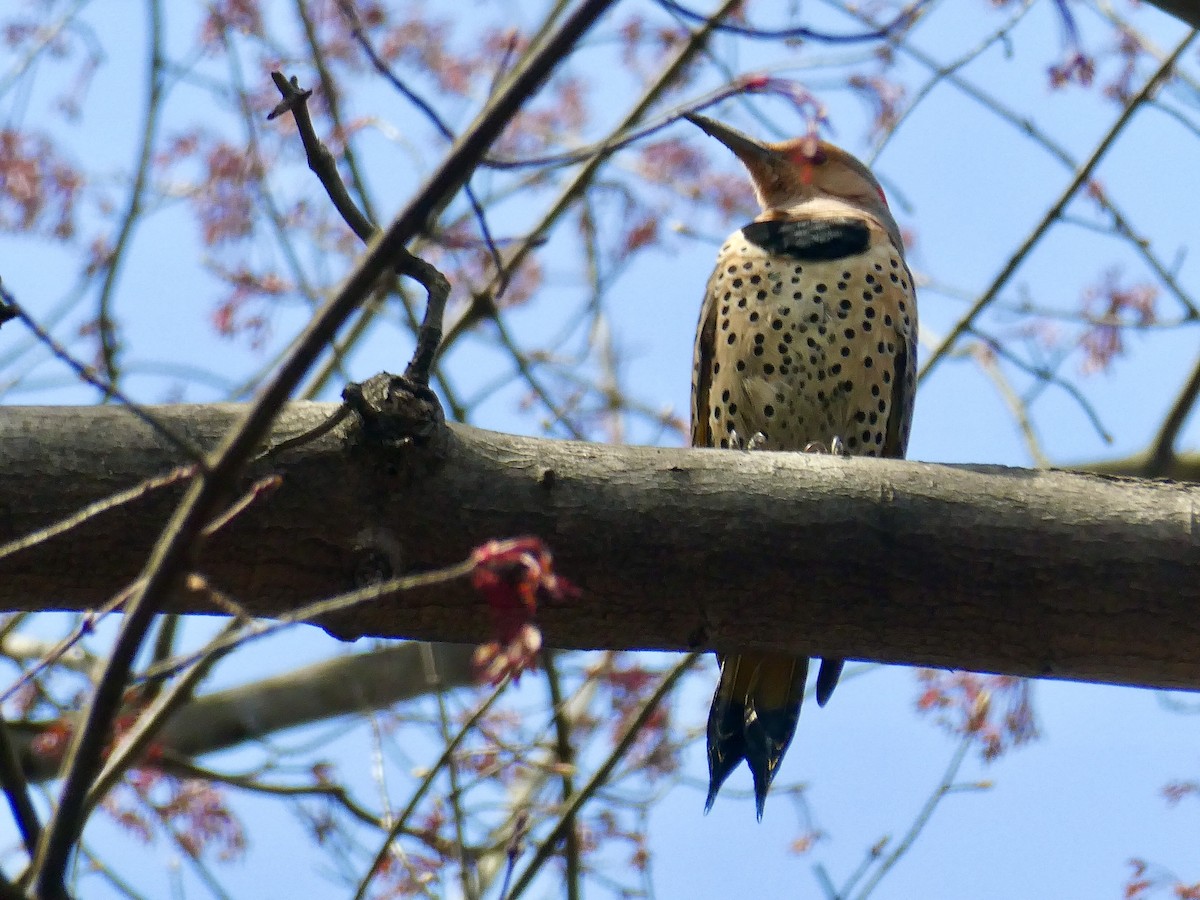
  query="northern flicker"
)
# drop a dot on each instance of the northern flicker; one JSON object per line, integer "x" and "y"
{"x": 807, "y": 341}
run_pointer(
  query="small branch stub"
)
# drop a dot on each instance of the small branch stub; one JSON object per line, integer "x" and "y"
{"x": 395, "y": 409}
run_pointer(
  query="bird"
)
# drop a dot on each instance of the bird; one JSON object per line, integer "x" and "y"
{"x": 806, "y": 342}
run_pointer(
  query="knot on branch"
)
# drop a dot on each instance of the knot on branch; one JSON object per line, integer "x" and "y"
{"x": 396, "y": 410}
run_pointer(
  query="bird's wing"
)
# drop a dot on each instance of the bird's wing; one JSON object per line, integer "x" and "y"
{"x": 702, "y": 360}
{"x": 904, "y": 382}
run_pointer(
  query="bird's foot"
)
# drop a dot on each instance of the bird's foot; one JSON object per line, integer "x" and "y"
{"x": 836, "y": 447}
{"x": 757, "y": 441}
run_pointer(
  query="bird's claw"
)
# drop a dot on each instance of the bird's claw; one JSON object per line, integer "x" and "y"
{"x": 836, "y": 447}
{"x": 756, "y": 442}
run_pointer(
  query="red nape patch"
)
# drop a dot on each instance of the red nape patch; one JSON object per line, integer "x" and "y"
{"x": 809, "y": 154}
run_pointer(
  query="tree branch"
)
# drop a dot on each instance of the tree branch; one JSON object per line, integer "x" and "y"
{"x": 1083, "y": 174}
{"x": 344, "y": 685}
{"x": 985, "y": 568}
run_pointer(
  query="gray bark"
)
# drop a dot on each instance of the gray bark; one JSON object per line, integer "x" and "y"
{"x": 984, "y": 568}
{"x": 342, "y": 685}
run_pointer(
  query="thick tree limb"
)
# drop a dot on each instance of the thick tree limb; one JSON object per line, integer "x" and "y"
{"x": 985, "y": 568}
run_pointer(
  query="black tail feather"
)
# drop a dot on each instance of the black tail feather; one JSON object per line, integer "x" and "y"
{"x": 726, "y": 743}
{"x": 767, "y": 736}
{"x": 827, "y": 679}
{"x": 753, "y": 717}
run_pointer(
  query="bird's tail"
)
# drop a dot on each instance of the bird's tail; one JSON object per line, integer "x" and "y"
{"x": 754, "y": 714}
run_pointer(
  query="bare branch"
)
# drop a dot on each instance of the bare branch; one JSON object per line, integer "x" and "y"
{"x": 344, "y": 685}
{"x": 323, "y": 165}
{"x": 11, "y": 309}
{"x": 628, "y": 735}
{"x": 426, "y": 783}
{"x": 1086, "y": 577}
{"x": 320, "y": 160}
{"x": 137, "y": 191}
{"x": 178, "y": 538}
{"x": 907, "y": 17}
{"x": 16, "y": 789}
{"x": 1081, "y": 177}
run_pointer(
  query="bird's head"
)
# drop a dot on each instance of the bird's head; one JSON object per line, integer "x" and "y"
{"x": 791, "y": 173}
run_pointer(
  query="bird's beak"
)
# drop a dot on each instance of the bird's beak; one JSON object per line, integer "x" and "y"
{"x": 767, "y": 168}
{"x": 752, "y": 153}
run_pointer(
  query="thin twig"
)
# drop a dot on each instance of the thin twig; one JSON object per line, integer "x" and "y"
{"x": 306, "y": 437}
{"x": 256, "y": 491}
{"x": 1016, "y": 405}
{"x": 162, "y": 650}
{"x": 87, "y": 624}
{"x": 362, "y": 222}
{"x": 92, "y": 510}
{"x": 429, "y": 335}
{"x": 314, "y": 611}
{"x": 257, "y": 164}
{"x": 905, "y": 19}
{"x": 1082, "y": 175}
{"x": 133, "y": 212}
{"x": 621, "y": 746}
{"x": 939, "y": 73}
{"x": 566, "y": 759}
{"x": 176, "y": 764}
{"x": 513, "y": 851}
{"x": 1047, "y": 376}
{"x": 333, "y": 104}
{"x": 96, "y": 864}
{"x": 944, "y": 787}
{"x": 426, "y": 783}
{"x": 13, "y": 309}
{"x": 465, "y": 873}
{"x": 320, "y": 160}
{"x": 134, "y": 743}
